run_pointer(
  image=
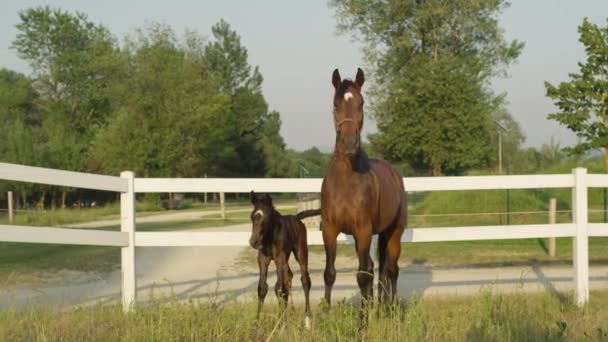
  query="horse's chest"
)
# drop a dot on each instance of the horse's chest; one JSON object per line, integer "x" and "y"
{"x": 347, "y": 200}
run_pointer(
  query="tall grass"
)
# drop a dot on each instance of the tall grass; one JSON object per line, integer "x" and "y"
{"x": 486, "y": 317}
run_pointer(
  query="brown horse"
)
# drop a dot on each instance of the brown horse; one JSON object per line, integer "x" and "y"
{"x": 275, "y": 237}
{"x": 361, "y": 197}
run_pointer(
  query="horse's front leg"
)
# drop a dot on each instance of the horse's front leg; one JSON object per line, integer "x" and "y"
{"x": 330, "y": 235}
{"x": 283, "y": 279}
{"x": 263, "y": 261}
{"x": 365, "y": 274}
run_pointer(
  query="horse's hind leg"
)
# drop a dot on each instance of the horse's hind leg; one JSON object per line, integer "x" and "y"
{"x": 393, "y": 251}
{"x": 383, "y": 281}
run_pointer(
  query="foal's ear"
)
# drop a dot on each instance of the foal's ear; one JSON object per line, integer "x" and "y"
{"x": 252, "y": 197}
{"x": 267, "y": 199}
{"x": 360, "y": 78}
{"x": 336, "y": 80}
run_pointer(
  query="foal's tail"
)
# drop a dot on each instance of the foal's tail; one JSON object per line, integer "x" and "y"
{"x": 308, "y": 213}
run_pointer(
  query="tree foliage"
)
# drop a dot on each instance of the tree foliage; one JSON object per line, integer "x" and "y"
{"x": 583, "y": 100}
{"x": 433, "y": 61}
{"x": 160, "y": 105}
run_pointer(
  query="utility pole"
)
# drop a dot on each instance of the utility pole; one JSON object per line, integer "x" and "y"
{"x": 500, "y": 129}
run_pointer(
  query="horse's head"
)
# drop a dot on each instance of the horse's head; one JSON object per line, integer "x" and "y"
{"x": 348, "y": 111}
{"x": 260, "y": 218}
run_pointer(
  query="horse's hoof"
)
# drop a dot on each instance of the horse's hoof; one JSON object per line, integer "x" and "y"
{"x": 308, "y": 323}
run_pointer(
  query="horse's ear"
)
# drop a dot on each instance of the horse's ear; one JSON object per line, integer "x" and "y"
{"x": 336, "y": 80}
{"x": 360, "y": 78}
{"x": 267, "y": 199}
{"x": 252, "y": 197}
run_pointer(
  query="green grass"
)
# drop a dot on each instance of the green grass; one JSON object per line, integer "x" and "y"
{"x": 485, "y": 317}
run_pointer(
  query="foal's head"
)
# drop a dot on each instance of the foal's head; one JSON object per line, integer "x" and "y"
{"x": 348, "y": 111}
{"x": 260, "y": 218}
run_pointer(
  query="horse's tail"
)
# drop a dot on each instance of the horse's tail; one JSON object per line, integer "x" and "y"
{"x": 308, "y": 213}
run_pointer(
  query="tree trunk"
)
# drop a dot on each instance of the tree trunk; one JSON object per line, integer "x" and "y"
{"x": 23, "y": 197}
{"x": 53, "y": 200}
{"x": 64, "y": 194}
{"x": 41, "y": 201}
{"x": 170, "y": 204}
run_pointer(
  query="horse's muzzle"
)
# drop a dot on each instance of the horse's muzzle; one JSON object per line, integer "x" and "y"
{"x": 255, "y": 243}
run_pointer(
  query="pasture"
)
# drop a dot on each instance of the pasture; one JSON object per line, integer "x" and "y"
{"x": 487, "y": 316}
{"x": 494, "y": 316}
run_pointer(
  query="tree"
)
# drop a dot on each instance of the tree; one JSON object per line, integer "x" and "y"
{"x": 74, "y": 61}
{"x": 433, "y": 61}
{"x": 22, "y": 141}
{"x": 252, "y": 131}
{"x": 583, "y": 101}
{"x": 170, "y": 122}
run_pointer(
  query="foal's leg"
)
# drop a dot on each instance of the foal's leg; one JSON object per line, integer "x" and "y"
{"x": 302, "y": 258}
{"x": 282, "y": 286}
{"x": 263, "y": 261}
{"x": 330, "y": 235}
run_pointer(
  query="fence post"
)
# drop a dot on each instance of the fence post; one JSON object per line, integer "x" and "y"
{"x": 552, "y": 213}
{"x": 10, "y": 207}
{"x": 223, "y": 205}
{"x": 580, "y": 252}
{"x": 205, "y": 198}
{"x": 127, "y": 224}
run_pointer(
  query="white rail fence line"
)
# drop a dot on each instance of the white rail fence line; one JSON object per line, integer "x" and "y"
{"x": 128, "y": 238}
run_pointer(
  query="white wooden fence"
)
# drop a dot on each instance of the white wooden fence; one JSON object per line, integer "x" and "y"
{"x": 128, "y": 238}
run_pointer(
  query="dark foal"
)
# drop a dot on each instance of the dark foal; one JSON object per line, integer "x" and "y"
{"x": 275, "y": 237}
{"x": 361, "y": 196}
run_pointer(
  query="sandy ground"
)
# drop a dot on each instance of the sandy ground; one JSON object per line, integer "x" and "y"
{"x": 222, "y": 274}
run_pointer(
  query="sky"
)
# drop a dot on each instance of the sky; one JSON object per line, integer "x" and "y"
{"x": 296, "y": 47}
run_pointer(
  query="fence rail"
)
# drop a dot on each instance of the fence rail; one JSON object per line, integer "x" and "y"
{"x": 579, "y": 181}
{"x": 62, "y": 236}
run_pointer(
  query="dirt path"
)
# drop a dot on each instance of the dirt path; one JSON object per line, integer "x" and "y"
{"x": 222, "y": 274}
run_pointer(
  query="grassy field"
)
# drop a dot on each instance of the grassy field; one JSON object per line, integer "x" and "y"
{"x": 485, "y": 317}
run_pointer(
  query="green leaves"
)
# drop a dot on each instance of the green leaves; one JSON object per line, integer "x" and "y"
{"x": 160, "y": 105}
{"x": 583, "y": 101}
{"x": 433, "y": 63}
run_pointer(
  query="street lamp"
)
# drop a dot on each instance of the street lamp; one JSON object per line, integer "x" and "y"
{"x": 503, "y": 128}
{"x": 303, "y": 170}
